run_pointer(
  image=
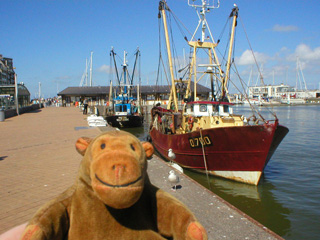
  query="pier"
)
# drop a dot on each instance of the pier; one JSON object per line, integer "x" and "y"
{"x": 38, "y": 161}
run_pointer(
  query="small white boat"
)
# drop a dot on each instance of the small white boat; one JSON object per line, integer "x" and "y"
{"x": 96, "y": 121}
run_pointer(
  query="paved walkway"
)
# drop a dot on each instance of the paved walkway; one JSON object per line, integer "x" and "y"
{"x": 38, "y": 161}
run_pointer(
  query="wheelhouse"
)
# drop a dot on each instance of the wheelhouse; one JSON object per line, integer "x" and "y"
{"x": 123, "y": 109}
{"x": 208, "y": 108}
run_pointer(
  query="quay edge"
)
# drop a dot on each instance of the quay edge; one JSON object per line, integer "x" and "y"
{"x": 221, "y": 219}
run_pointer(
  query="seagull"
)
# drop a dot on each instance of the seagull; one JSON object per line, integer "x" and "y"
{"x": 173, "y": 179}
{"x": 172, "y": 156}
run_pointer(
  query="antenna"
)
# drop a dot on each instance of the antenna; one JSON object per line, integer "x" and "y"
{"x": 205, "y": 3}
{"x": 203, "y": 9}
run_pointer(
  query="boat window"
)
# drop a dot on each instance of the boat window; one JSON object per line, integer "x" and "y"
{"x": 118, "y": 108}
{"x": 203, "y": 107}
{"x": 225, "y": 108}
{"x": 124, "y": 108}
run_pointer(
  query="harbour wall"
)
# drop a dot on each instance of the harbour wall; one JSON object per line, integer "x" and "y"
{"x": 8, "y": 113}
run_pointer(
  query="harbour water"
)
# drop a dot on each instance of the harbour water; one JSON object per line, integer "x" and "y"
{"x": 287, "y": 199}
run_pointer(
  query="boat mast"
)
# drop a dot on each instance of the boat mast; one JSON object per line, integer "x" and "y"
{"x": 162, "y": 7}
{"x": 110, "y": 93}
{"x": 207, "y": 43}
{"x": 234, "y": 15}
{"x": 124, "y": 65}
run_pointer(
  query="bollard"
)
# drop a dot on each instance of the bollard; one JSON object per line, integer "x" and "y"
{"x": 2, "y": 116}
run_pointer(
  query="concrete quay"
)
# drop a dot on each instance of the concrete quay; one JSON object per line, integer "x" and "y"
{"x": 38, "y": 161}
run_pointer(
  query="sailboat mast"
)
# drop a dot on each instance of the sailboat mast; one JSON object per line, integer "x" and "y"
{"x": 162, "y": 8}
{"x": 86, "y": 72}
{"x": 234, "y": 15}
{"x": 91, "y": 70}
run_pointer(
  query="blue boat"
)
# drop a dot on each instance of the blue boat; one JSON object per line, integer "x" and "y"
{"x": 125, "y": 109}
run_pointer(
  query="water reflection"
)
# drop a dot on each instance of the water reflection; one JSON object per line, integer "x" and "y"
{"x": 139, "y": 132}
{"x": 258, "y": 202}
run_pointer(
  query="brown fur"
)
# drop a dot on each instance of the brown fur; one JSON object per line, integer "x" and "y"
{"x": 113, "y": 198}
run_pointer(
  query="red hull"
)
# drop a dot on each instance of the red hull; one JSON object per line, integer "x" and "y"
{"x": 245, "y": 148}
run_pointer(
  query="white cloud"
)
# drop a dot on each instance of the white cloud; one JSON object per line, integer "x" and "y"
{"x": 249, "y": 58}
{"x": 105, "y": 68}
{"x": 281, "y": 28}
{"x": 304, "y": 52}
{"x": 308, "y": 57}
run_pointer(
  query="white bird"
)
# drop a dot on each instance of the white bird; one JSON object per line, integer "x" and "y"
{"x": 173, "y": 179}
{"x": 172, "y": 156}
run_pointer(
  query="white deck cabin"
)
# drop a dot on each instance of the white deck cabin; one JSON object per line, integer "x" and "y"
{"x": 208, "y": 108}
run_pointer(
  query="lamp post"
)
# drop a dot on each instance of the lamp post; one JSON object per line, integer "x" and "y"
{"x": 39, "y": 94}
{"x": 16, "y": 93}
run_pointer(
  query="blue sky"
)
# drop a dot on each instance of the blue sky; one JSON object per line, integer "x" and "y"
{"x": 49, "y": 41}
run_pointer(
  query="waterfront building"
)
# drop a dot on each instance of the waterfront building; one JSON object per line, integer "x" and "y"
{"x": 8, "y": 86}
{"x": 149, "y": 94}
{"x": 281, "y": 91}
{"x": 6, "y": 71}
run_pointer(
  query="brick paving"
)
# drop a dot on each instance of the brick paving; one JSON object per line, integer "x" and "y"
{"x": 38, "y": 160}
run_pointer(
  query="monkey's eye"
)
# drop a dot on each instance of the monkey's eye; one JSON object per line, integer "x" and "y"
{"x": 103, "y": 145}
{"x": 132, "y": 147}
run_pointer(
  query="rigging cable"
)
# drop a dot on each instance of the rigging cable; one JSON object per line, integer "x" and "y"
{"x": 204, "y": 158}
{"x": 178, "y": 20}
{"x": 159, "y": 34}
{"x": 115, "y": 65}
{"x": 254, "y": 57}
{"x": 253, "y": 109}
{"x": 174, "y": 51}
{"x": 134, "y": 65}
{"x": 260, "y": 74}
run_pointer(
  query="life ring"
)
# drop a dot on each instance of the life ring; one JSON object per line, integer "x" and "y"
{"x": 190, "y": 122}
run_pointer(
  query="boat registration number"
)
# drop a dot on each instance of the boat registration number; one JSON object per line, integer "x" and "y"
{"x": 119, "y": 119}
{"x": 198, "y": 141}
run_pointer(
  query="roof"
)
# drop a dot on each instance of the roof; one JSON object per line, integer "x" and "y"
{"x": 85, "y": 90}
{"x": 23, "y": 90}
{"x": 104, "y": 90}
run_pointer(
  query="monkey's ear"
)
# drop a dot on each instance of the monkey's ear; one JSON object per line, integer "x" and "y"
{"x": 148, "y": 148}
{"x": 82, "y": 144}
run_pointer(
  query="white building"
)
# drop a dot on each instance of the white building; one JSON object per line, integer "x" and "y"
{"x": 281, "y": 91}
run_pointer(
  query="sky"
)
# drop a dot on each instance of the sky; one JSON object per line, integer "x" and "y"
{"x": 50, "y": 40}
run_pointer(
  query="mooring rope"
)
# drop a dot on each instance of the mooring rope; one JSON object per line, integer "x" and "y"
{"x": 204, "y": 158}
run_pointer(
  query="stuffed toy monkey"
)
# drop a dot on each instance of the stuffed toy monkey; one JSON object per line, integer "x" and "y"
{"x": 112, "y": 198}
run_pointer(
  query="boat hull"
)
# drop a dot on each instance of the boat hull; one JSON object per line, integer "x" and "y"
{"x": 125, "y": 121}
{"x": 238, "y": 153}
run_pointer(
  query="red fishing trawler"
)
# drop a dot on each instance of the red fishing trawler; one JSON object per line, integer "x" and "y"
{"x": 206, "y": 135}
